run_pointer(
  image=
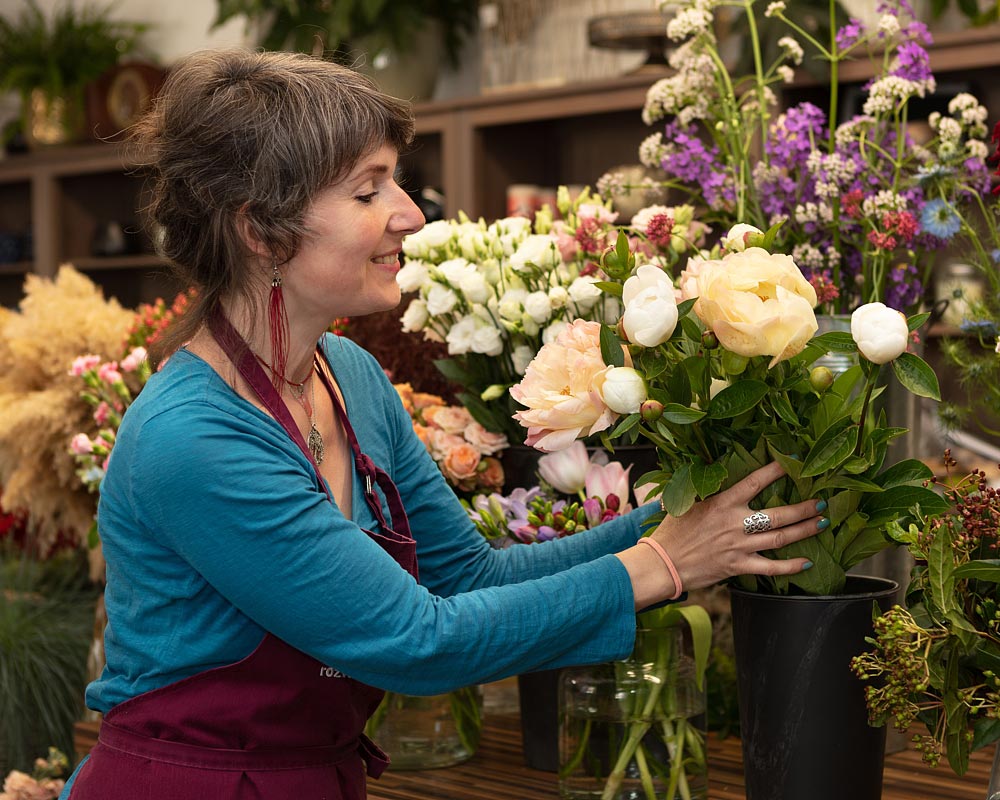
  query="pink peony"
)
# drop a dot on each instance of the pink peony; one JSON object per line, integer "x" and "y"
{"x": 450, "y": 419}
{"x": 486, "y": 442}
{"x": 561, "y": 389}
{"x": 82, "y": 364}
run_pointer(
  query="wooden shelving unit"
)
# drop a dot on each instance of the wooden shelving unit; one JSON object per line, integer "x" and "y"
{"x": 471, "y": 149}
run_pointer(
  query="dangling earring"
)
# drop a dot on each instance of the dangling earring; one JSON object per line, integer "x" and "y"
{"x": 277, "y": 320}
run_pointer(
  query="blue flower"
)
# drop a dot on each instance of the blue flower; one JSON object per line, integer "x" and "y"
{"x": 995, "y": 255}
{"x": 939, "y": 219}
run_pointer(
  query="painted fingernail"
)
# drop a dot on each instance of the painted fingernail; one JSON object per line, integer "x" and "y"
{"x": 820, "y": 506}
{"x": 823, "y": 524}
{"x": 807, "y": 565}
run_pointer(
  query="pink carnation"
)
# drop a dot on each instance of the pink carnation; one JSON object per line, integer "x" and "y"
{"x": 108, "y": 372}
{"x": 133, "y": 360}
{"x": 101, "y": 413}
{"x": 82, "y": 364}
{"x": 81, "y": 444}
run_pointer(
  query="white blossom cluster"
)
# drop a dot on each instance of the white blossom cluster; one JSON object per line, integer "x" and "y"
{"x": 889, "y": 92}
{"x": 813, "y": 212}
{"x": 492, "y": 289}
{"x": 884, "y": 200}
{"x": 831, "y": 172}
{"x": 792, "y": 49}
{"x": 888, "y": 25}
{"x": 651, "y": 151}
{"x": 809, "y": 255}
{"x": 775, "y": 9}
{"x": 689, "y": 93}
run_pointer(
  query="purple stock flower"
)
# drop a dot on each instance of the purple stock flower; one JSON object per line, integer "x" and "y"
{"x": 904, "y": 288}
{"x": 849, "y": 34}
{"x": 913, "y": 62}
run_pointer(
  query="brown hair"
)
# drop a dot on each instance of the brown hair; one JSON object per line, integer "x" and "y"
{"x": 254, "y": 136}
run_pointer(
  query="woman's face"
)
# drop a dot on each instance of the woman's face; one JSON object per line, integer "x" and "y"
{"x": 348, "y": 260}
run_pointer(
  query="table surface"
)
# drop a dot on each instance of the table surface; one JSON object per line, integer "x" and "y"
{"x": 497, "y": 772}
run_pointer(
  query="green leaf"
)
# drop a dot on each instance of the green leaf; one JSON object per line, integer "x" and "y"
{"x": 783, "y": 408}
{"x": 737, "y": 398}
{"x": 897, "y": 501}
{"x": 832, "y": 448}
{"x": 679, "y": 494}
{"x": 454, "y": 372}
{"x": 846, "y": 482}
{"x": 916, "y": 376}
{"x": 941, "y": 572}
{"x": 868, "y": 542}
{"x": 956, "y": 717}
{"x": 707, "y": 478}
{"x": 700, "y": 623}
{"x": 681, "y": 415}
{"x": 625, "y": 425}
{"x": 685, "y": 306}
{"x": 610, "y": 287}
{"x": 691, "y": 329}
{"x": 825, "y": 576}
{"x": 917, "y": 320}
{"x": 841, "y": 506}
{"x": 835, "y": 341}
{"x": 984, "y": 570}
{"x": 697, "y": 373}
{"x": 611, "y": 348}
{"x": 908, "y": 471}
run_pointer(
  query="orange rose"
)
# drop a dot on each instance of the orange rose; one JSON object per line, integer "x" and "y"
{"x": 460, "y": 462}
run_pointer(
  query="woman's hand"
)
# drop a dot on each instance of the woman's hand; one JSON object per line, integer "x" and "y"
{"x": 717, "y": 539}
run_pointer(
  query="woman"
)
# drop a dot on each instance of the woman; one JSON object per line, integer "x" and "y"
{"x": 266, "y": 580}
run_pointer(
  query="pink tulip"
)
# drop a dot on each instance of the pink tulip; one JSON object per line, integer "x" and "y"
{"x": 609, "y": 479}
{"x": 565, "y": 470}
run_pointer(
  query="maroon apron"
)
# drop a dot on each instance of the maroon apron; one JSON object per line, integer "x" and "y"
{"x": 276, "y": 725}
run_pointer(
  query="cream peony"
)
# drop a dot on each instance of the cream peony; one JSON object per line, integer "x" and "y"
{"x": 757, "y": 304}
{"x": 650, "y": 306}
{"x": 880, "y": 332}
{"x": 561, "y": 389}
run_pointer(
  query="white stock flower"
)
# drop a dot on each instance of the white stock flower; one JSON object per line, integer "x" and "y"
{"x": 880, "y": 332}
{"x": 412, "y": 275}
{"x": 440, "y": 300}
{"x": 415, "y": 317}
{"x": 486, "y": 339}
{"x": 623, "y": 390}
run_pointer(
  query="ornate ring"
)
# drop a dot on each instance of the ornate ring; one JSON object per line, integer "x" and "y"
{"x": 757, "y": 522}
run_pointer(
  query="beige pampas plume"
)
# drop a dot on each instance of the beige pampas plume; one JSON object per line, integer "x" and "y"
{"x": 40, "y": 405}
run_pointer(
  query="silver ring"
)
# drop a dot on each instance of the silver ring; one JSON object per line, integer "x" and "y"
{"x": 757, "y": 522}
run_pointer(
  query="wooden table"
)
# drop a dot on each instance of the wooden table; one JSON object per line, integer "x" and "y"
{"x": 497, "y": 772}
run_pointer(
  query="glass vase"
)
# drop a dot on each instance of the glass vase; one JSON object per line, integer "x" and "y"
{"x": 428, "y": 732}
{"x": 634, "y": 729}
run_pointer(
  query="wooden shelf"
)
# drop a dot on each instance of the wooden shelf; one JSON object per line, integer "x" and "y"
{"x": 137, "y": 261}
{"x": 497, "y": 772}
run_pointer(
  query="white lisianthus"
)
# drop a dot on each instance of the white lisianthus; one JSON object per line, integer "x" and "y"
{"x": 415, "y": 317}
{"x": 490, "y": 270}
{"x": 521, "y": 357}
{"x": 459, "y": 338}
{"x": 623, "y": 390}
{"x": 650, "y": 306}
{"x": 440, "y": 300}
{"x": 537, "y": 250}
{"x": 510, "y": 226}
{"x": 412, "y": 275}
{"x": 880, "y": 332}
{"x": 538, "y": 306}
{"x": 487, "y": 340}
{"x": 512, "y": 303}
{"x": 735, "y": 241}
{"x": 454, "y": 269}
{"x": 471, "y": 240}
{"x": 558, "y": 297}
{"x": 551, "y": 333}
{"x": 431, "y": 237}
{"x": 584, "y": 293}
{"x": 528, "y": 325}
{"x": 474, "y": 287}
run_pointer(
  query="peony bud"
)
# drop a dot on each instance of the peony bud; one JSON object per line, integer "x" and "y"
{"x": 820, "y": 378}
{"x": 651, "y": 410}
{"x": 709, "y": 340}
{"x": 740, "y": 237}
{"x": 624, "y": 390}
{"x": 880, "y": 332}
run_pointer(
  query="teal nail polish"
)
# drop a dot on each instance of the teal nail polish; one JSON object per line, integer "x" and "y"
{"x": 823, "y": 524}
{"x": 821, "y": 506}
{"x": 807, "y": 565}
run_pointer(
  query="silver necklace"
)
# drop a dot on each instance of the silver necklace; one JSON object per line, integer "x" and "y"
{"x": 314, "y": 441}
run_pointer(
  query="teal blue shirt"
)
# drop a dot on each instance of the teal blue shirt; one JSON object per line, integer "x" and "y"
{"x": 215, "y": 531}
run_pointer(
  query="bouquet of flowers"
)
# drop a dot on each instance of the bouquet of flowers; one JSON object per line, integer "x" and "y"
{"x": 463, "y": 449}
{"x": 549, "y": 511}
{"x": 496, "y": 292}
{"x": 44, "y": 783}
{"x": 724, "y": 381}
{"x": 863, "y": 204}
{"x": 937, "y": 661}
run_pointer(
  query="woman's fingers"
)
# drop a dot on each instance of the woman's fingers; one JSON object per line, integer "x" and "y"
{"x": 745, "y": 490}
{"x": 781, "y": 516}
{"x": 776, "y": 539}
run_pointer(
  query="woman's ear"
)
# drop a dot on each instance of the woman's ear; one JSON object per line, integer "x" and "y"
{"x": 249, "y": 232}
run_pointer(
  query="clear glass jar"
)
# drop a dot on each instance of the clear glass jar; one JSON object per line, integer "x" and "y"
{"x": 634, "y": 729}
{"x": 428, "y": 732}
{"x": 993, "y": 792}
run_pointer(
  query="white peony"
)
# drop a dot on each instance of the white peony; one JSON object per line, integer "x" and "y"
{"x": 623, "y": 390}
{"x": 880, "y": 332}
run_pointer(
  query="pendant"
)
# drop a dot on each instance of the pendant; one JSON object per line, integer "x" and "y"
{"x": 315, "y": 444}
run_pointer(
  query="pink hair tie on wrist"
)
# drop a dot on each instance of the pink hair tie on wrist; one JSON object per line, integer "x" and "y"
{"x": 658, "y": 549}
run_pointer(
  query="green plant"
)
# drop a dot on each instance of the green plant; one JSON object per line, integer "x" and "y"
{"x": 330, "y": 26}
{"x": 970, "y": 8}
{"x": 46, "y": 616}
{"x": 937, "y": 661}
{"x": 61, "y": 56}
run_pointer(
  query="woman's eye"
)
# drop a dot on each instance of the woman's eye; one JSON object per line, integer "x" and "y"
{"x": 366, "y": 198}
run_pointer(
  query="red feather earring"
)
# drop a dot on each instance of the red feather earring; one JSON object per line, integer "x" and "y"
{"x": 277, "y": 320}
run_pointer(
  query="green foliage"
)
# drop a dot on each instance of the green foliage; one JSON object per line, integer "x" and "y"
{"x": 831, "y": 443}
{"x": 62, "y": 55}
{"x": 938, "y": 660}
{"x": 322, "y": 26}
{"x": 46, "y": 619}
